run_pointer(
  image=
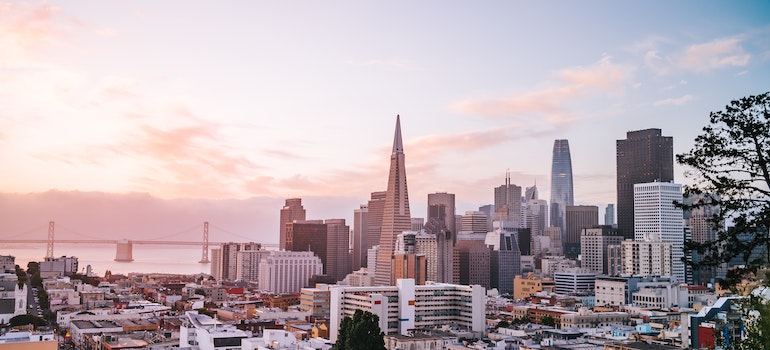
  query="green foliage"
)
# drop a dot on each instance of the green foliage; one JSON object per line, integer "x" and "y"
{"x": 521, "y": 320}
{"x": 362, "y": 332}
{"x": 22, "y": 320}
{"x": 503, "y": 324}
{"x": 85, "y": 279}
{"x": 21, "y": 275}
{"x": 548, "y": 320}
{"x": 730, "y": 169}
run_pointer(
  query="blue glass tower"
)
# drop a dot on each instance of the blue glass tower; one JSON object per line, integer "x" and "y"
{"x": 561, "y": 184}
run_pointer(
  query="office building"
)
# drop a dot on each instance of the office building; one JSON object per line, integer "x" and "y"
{"x": 475, "y": 222}
{"x": 657, "y": 219}
{"x": 488, "y": 210}
{"x": 405, "y": 307}
{"x": 417, "y": 224}
{"x": 436, "y": 244}
{"x": 574, "y": 281}
{"x": 329, "y": 240}
{"x": 536, "y": 216}
{"x": 609, "y": 215}
{"x": 505, "y": 259}
{"x": 376, "y": 206}
{"x": 561, "y": 183}
{"x": 360, "y": 237}
{"x": 441, "y": 206}
{"x": 508, "y": 202}
{"x": 525, "y": 286}
{"x": 555, "y": 237}
{"x": 291, "y": 211}
{"x": 644, "y": 156}
{"x": 473, "y": 258}
{"x": 395, "y": 216}
{"x": 594, "y": 245}
{"x": 578, "y": 217}
{"x": 288, "y": 272}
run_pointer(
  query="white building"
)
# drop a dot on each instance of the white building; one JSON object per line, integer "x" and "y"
{"x": 574, "y": 281}
{"x": 406, "y": 306}
{"x": 247, "y": 262}
{"x": 58, "y": 266}
{"x": 7, "y": 264}
{"x": 204, "y": 333}
{"x": 657, "y": 219}
{"x": 661, "y": 295}
{"x": 13, "y": 300}
{"x": 593, "y": 247}
{"x": 288, "y": 272}
{"x": 649, "y": 258}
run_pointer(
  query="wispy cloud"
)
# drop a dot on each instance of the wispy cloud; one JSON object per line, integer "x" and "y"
{"x": 678, "y": 101}
{"x": 716, "y": 54}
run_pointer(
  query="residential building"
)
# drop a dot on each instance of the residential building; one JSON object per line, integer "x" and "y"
{"x": 13, "y": 299}
{"x": 406, "y": 306}
{"x": 615, "y": 291}
{"x": 526, "y": 286}
{"x": 574, "y": 281}
{"x": 247, "y": 262}
{"x": 316, "y": 300}
{"x": 594, "y": 244}
{"x": 226, "y": 259}
{"x": 651, "y": 258}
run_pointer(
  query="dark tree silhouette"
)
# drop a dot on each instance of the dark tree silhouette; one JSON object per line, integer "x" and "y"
{"x": 730, "y": 167}
{"x": 548, "y": 320}
{"x": 362, "y": 332}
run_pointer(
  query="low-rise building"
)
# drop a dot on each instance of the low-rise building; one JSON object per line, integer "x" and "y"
{"x": 524, "y": 287}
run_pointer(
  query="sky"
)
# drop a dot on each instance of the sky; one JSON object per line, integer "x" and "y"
{"x": 258, "y": 101}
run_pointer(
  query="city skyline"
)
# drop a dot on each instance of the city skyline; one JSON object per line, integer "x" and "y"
{"x": 263, "y": 102}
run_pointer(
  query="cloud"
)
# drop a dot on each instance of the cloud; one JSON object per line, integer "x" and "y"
{"x": 674, "y": 101}
{"x": 716, "y": 54}
{"x": 549, "y": 106}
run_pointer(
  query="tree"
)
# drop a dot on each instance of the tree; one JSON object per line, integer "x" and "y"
{"x": 548, "y": 320}
{"x": 730, "y": 169}
{"x": 503, "y": 324}
{"x": 21, "y": 275}
{"x": 21, "y": 320}
{"x": 362, "y": 332}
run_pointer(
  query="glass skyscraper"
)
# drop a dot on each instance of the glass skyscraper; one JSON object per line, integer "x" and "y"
{"x": 561, "y": 183}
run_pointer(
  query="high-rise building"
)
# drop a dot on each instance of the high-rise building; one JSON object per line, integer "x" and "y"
{"x": 657, "y": 219}
{"x": 227, "y": 259}
{"x": 409, "y": 265}
{"x": 536, "y": 215}
{"x": 329, "y": 240}
{"x": 376, "y": 207}
{"x": 594, "y": 243}
{"x": 474, "y": 263}
{"x": 474, "y": 221}
{"x": 531, "y": 193}
{"x": 435, "y": 242}
{"x": 395, "y": 216}
{"x": 488, "y": 210}
{"x": 508, "y": 202}
{"x": 248, "y": 264}
{"x": 441, "y": 205}
{"x": 417, "y": 224}
{"x": 644, "y": 156}
{"x": 609, "y": 215}
{"x": 561, "y": 183}
{"x": 578, "y": 217}
{"x": 360, "y": 236}
{"x": 291, "y": 211}
{"x": 288, "y": 272}
{"x": 505, "y": 259}
{"x": 555, "y": 236}
{"x": 648, "y": 258}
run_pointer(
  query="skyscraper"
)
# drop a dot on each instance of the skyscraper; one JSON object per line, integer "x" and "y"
{"x": 644, "y": 156}
{"x": 656, "y": 219}
{"x": 291, "y": 211}
{"x": 360, "y": 236}
{"x": 508, "y": 202}
{"x": 395, "y": 216}
{"x": 376, "y": 206}
{"x": 441, "y": 206}
{"x": 578, "y": 217}
{"x": 561, "y": 183}
{"x": 329, "y": 240}
{"x": 609, "y": 215}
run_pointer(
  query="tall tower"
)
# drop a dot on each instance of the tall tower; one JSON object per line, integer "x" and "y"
{"x": 508, "y": 202}
{"x": 656, "y": 219}
{"x": 395, "y": 216}
{"x": 360, "y": 236}
{"x": 441, "y": 206}
{"x": 644, "y": 156}
{"x": 561, "y": 184}
{"x": 291, "y": 211}
{"x": 577, "y": 218}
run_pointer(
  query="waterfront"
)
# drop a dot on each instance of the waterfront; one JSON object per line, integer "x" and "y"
{"x": 147, "y": 258}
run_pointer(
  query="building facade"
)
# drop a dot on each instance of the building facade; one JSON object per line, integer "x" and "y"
{"x": 657, "y": 219}
{"x": 644, "y": 156}
{"x": 292, "y": 210}
{"x": 395, "y": 216}
{"x": 577, "y": 218}
{"x": 288, "y": 272}
{"x": 561, "y": 183}
{"x": 594, "y": 244}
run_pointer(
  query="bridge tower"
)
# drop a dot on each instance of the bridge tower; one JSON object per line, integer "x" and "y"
{"x": 205, "y": 258}
{"x": 49, "y": 247}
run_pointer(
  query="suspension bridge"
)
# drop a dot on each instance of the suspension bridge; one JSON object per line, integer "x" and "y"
{"x": 124, "y": 247}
